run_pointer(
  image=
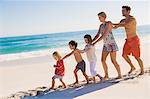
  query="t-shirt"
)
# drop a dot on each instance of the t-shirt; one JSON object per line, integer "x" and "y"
{"x": 60, "y": 68}
{"x": 90, "y": 52}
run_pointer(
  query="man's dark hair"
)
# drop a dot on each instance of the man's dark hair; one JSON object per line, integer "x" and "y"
{"x": 127, "y": 8}
{"x": 73, "y": 43}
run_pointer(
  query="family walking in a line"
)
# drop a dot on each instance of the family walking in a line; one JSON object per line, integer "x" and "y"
{"x": 131, "y": 46}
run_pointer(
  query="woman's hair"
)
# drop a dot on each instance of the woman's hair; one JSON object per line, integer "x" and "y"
{"x": 73, "y": 43}
{"x": 56, "y": 54}
{"x": 103, "y": 14}
{"x": 88, "y": 37}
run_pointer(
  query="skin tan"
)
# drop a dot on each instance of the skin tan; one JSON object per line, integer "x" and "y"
{"x": 104, "y": 53}
{"x": 57, "y": 58}
{"x": 129, "y": 23}
{"x": 78, "y": 59}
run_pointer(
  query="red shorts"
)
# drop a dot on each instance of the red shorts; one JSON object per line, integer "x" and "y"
{"x": 132, "y": 46}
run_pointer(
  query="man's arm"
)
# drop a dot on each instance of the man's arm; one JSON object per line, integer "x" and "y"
{"x": 120, "y": 24}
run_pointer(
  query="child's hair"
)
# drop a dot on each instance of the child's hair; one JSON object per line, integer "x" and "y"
{"x": 56, "y": 54}
{"x": 73, "y": 43}
{"x": 103, "y": 14}
{"x": 88, "y": 37}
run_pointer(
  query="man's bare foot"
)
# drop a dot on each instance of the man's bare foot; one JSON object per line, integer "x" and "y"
{"x": 131, "y": 70}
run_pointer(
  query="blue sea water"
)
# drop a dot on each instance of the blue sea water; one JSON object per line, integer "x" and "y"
{"x": 22, "y": 44}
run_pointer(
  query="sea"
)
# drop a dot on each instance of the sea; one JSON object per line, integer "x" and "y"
{"x": 19, "y": 47}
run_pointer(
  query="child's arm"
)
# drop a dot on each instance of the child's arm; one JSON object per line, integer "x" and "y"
{"x": 85, "y": 49}
{"x": 108, "y": 27}
{"x": 81, "y": 51}
{"x": 68, "y": 55}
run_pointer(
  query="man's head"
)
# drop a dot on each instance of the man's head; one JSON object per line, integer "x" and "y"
{"x": 126, "y": 10}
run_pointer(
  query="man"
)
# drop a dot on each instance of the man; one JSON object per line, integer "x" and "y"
{"x": 132, "y": 44}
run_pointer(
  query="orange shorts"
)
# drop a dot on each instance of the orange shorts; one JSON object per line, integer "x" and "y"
{"x": 132, "y": 46}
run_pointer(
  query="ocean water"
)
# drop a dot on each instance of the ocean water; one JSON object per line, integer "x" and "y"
{"x": 36, "y": 45}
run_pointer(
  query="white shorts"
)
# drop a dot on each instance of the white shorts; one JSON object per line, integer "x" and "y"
{"x": 57, "y": 76}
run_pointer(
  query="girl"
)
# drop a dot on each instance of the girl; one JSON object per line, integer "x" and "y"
{"x": 110, "y": 46}
{"x": 90, "y": 52}
{"x": 59, "y": 71}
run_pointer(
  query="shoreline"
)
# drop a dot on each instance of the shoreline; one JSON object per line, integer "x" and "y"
{"x": 30, "y": 73}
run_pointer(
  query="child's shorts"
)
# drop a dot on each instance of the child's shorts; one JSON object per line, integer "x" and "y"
{"x": 57, "y": 77}
{"x": 81, "y": 66}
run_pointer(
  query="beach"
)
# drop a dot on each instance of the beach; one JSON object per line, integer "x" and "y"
{"x": 27, "y": 74}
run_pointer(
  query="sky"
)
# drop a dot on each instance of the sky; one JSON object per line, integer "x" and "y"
{"x": 31, "y": 17}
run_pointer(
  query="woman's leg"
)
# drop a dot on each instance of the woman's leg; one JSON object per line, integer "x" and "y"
{"x": 113, "y": 60}
{"x": 103, "y": 60}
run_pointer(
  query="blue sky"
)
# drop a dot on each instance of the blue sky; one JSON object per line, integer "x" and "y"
{"x": 31, "y": 17}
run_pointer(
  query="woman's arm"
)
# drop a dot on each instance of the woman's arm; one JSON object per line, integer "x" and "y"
{"x": 98, "y": 33}
{"x": 108, "y": 27}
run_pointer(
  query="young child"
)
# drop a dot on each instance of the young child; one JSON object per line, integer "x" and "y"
{"x": 59, "y": 71}
{"x": 90, "y": 52}
{"x": 80, "y": 62}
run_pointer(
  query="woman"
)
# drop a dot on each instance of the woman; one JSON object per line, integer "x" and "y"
{"x": 109, "y": 47}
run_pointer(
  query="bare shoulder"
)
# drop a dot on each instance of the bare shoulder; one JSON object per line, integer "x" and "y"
{"x": 132, "y": 18}
{"x": 123, "y": 20}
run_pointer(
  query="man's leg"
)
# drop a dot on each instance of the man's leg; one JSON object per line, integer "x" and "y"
{"x": 140, "y": 64}
{"x": 126, "y": 57}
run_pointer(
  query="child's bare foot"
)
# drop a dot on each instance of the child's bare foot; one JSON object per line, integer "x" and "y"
{"x": 119, "y": 77}
{"x": 131, "y": 70}
{"x": 141, "y": 73}
{"x": 51, "y": 88}
{"x": 87, "y": 82}
{"x": 100, "y": 77}
{"x": 75, "y": 83}
{"x": 64, "y": 86}
{"x": 106, "y": 78}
